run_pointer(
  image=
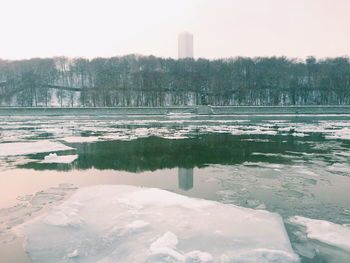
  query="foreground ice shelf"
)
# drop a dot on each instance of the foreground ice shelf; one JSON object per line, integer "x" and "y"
{"x": 127, "y": 224}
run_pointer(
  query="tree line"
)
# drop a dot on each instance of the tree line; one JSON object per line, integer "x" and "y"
{"x": 134, "y": 80}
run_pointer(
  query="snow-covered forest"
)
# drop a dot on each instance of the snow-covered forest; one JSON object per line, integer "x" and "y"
{"x": 150, "y": 81}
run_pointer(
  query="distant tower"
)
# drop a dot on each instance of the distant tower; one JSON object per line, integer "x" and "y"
{"x": 185, "y": 45}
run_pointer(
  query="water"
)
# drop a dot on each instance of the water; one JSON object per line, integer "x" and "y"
{"x": 292, "y": 165}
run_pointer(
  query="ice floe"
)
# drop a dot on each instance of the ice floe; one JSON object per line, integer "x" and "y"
{"x": 54, "y": 158}
{"x": 98, "y": 129}
{"x": 77, "y": 139}
{"x": 325, "y": 231}
{"x": 114, "y": 223}
{"x": 23, "y": 148}
{"x": 29, "y": 206}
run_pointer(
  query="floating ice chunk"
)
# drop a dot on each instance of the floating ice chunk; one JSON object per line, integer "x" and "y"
{"x": 277, "y": 121}
{"x": 54, "y": 158}
{"x": 299, "y": 134}
{"x": 29, "y": 206}
{"x": 113, "y": 223}
{"x": 50, "y": 156}
{"x": 324, "y": 231}
{"x": 343, "y": 134}
{"x": 76, "y": 139}
{"x": 23, "y": 148}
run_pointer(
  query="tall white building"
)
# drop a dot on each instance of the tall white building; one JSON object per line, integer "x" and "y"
{"x": 185, "y": 45}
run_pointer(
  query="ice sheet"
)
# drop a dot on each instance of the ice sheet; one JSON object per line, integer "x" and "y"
{"x": 29, "y": 206}
{"x": 326, "y": 232}
{"x": 80, "y": 139}
{"x": 134, "y": 224}
{"x": 23, "y": 148}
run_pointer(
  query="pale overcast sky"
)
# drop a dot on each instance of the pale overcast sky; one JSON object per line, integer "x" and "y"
{"x": 221, "y": 28}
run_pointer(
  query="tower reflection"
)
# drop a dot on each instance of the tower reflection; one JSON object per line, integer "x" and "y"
{"x": 185, "y": 178}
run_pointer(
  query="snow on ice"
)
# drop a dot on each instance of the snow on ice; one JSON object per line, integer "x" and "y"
{"x": 115, "y": 223}
{"x": 23, "y": 148}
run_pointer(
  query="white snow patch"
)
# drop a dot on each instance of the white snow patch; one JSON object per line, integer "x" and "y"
{"x": 23, "y": 148}
{"x": 54, "y": 158}
{"x": 95, "y": 224}
{"x": 326, "y": 232}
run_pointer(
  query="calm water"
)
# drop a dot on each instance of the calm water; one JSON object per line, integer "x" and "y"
{"x": 285, "y": 164}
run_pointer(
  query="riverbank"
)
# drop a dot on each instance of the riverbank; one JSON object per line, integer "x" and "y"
{"x": 199, "y": 110}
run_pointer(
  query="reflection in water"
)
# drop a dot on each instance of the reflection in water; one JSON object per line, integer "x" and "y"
{"x": 153, "y": 153}
{"x": 185, "y": 179}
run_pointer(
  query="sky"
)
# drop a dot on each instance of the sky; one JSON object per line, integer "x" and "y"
{"x": 221, "y": 28}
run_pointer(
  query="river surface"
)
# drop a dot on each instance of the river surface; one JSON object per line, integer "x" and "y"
{"x": 292, "y": 165}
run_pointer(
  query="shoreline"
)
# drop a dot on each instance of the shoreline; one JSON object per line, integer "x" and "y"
{"x": 177, "y": 110}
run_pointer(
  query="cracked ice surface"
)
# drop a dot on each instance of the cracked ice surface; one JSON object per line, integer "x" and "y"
{"x": 132, "y": 224}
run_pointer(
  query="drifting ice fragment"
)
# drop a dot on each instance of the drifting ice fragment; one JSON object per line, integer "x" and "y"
{"x": 80, "y": 139}
{"x": 325, "y": 232}
{"x": 124, "y": 224}
{"x": 23, "y": 148}
{"x": 54, "y": 158}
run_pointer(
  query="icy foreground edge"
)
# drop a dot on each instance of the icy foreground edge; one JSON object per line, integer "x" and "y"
{"x": 325, "y": 231}
{"x": 115, "y": 223}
